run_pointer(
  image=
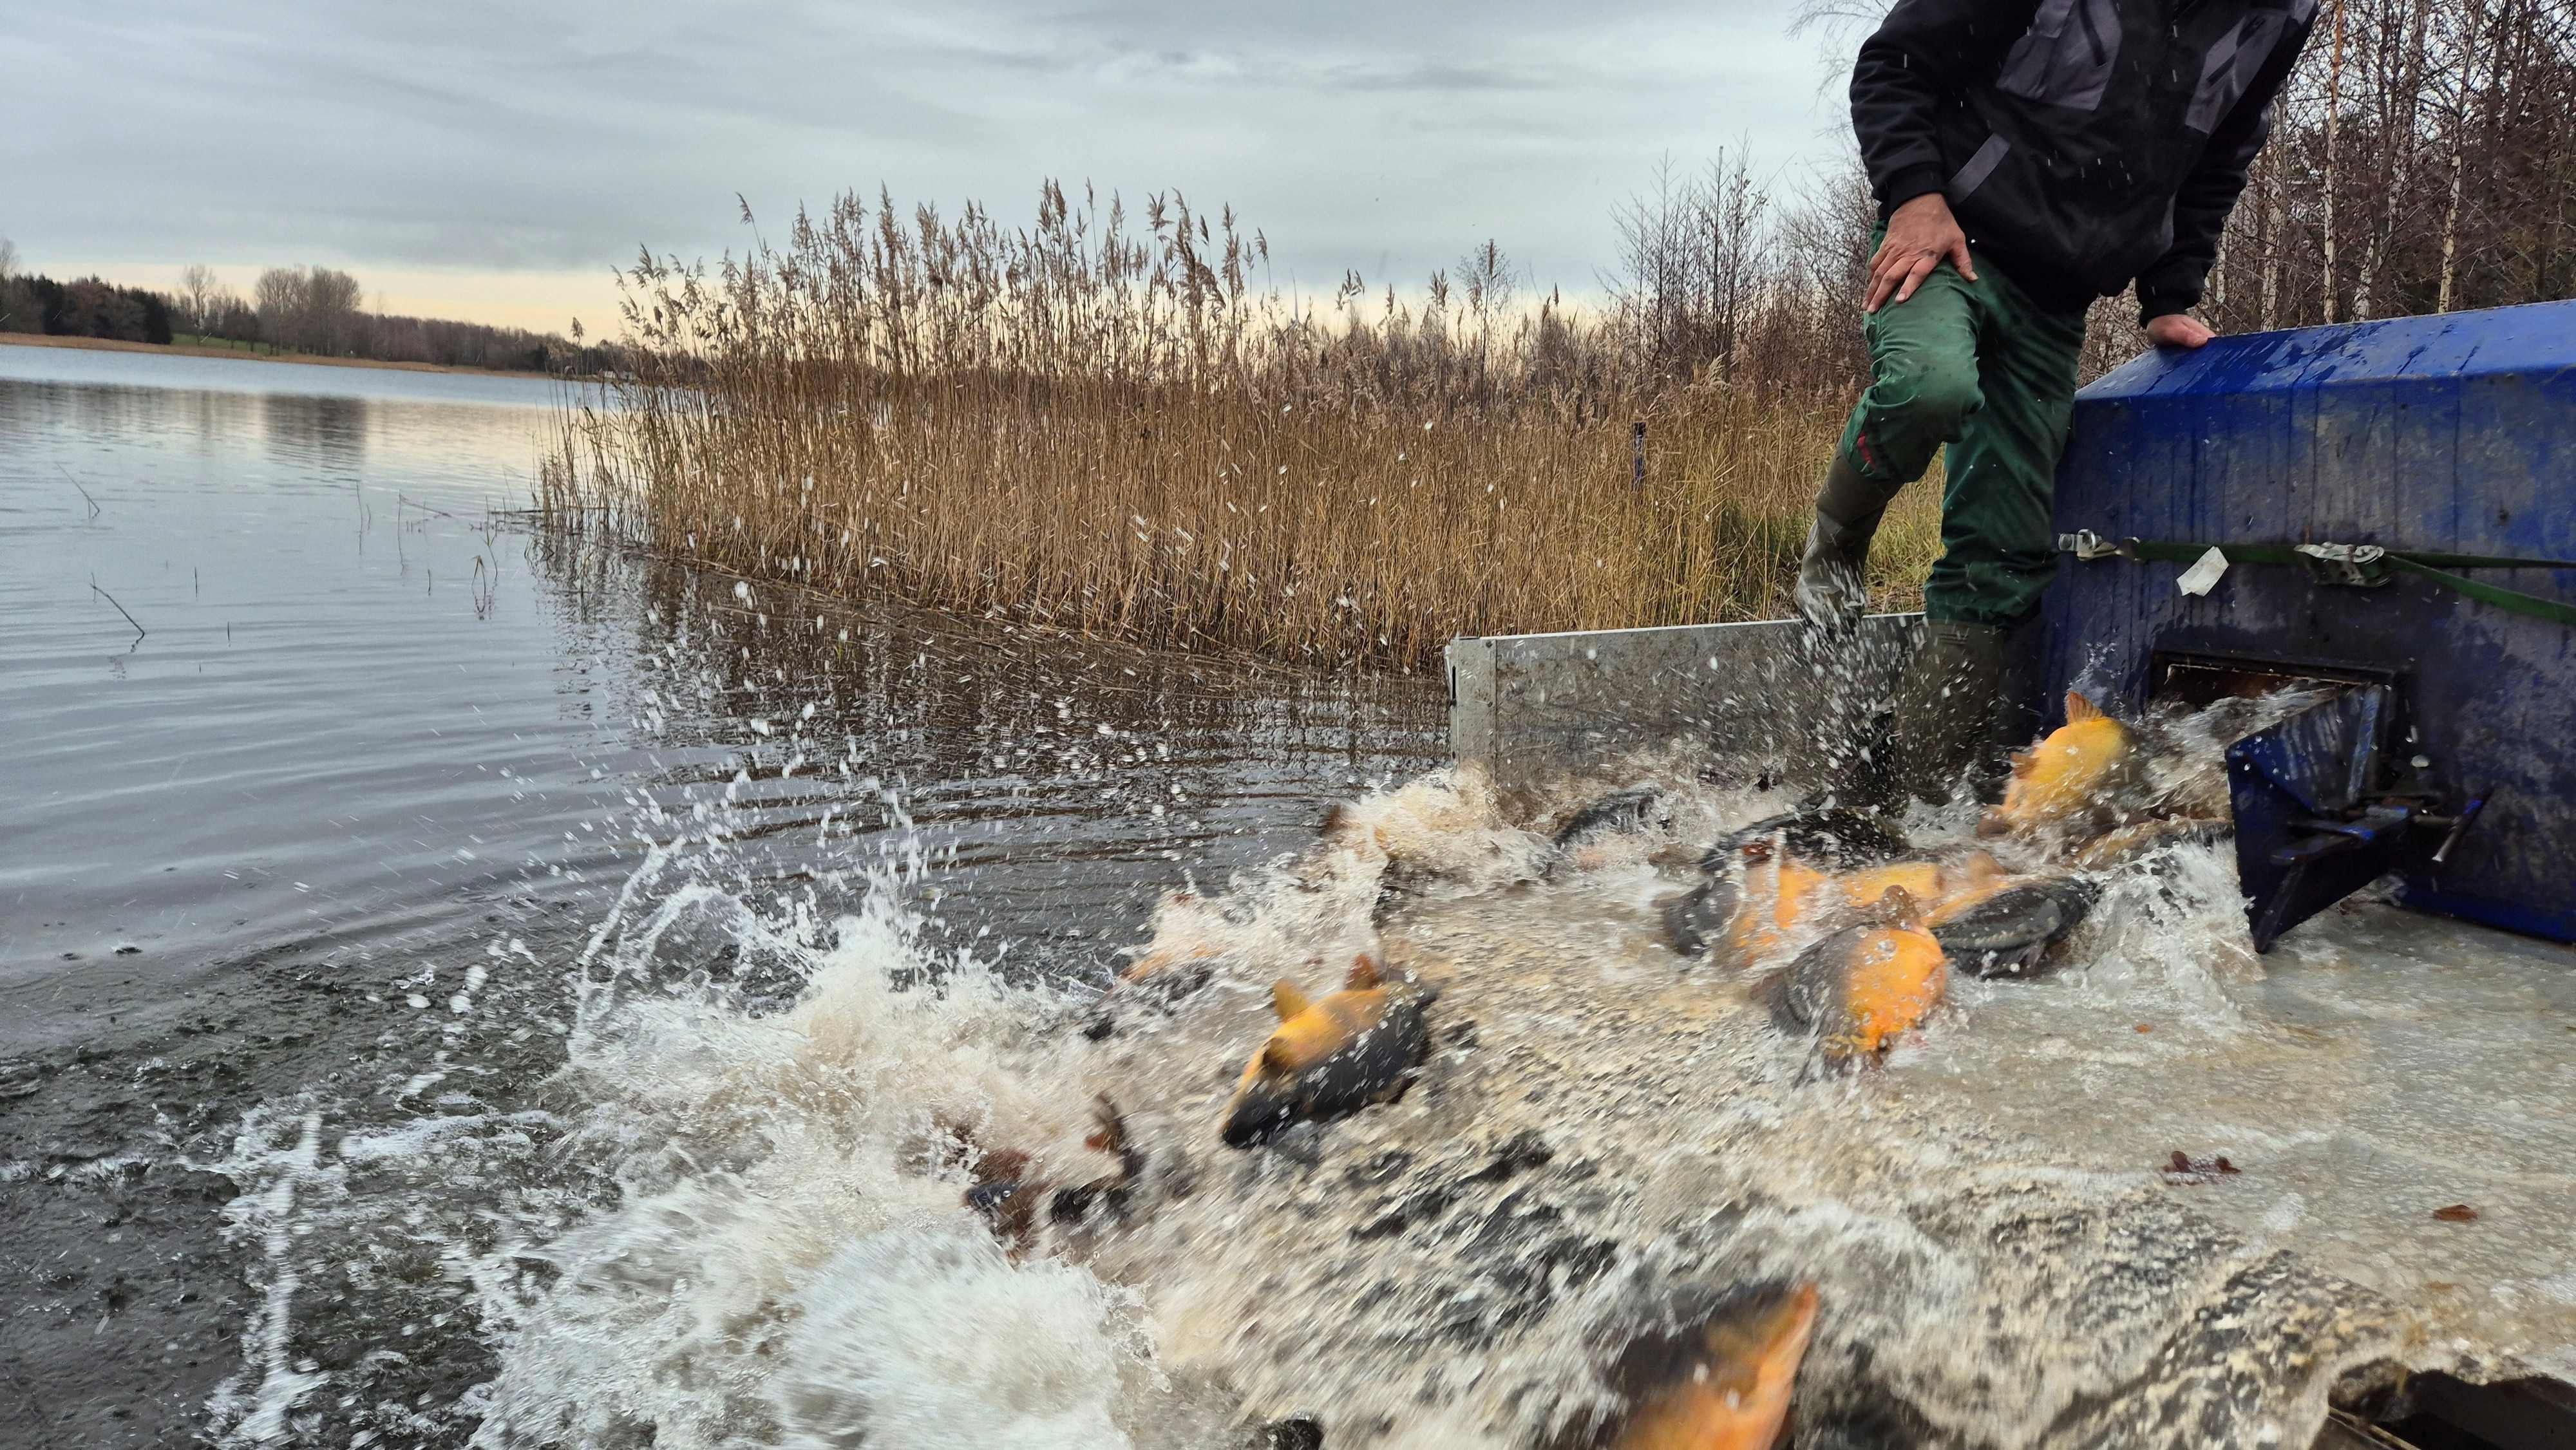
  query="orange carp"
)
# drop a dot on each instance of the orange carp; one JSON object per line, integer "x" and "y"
{"x": 1759, "y": 879}
{"x": 1331, "y": 1057}
{"x": 1862, "y": 986}
{"x": 1774, "y": 896}
{"x": 1929, "y": 881}
{"x": 1768, "y": 900}
{"x": 1715, "y": 1376}
{"x": 2072, "y": 775}
{"x": 1190, "y": 933}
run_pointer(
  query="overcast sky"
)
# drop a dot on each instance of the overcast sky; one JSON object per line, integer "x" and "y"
{"x": 497, "y": 161}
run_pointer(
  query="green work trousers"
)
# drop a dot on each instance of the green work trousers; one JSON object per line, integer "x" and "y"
{"x": 1981, "y": 368}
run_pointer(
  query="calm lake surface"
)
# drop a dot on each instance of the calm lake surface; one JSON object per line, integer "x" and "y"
{"x": 301, "y": 719}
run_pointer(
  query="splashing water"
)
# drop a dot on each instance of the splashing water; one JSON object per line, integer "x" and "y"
{"x": 895, "y": 1346}
{"x": 739, "y": 1216}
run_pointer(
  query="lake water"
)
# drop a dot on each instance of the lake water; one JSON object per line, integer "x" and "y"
{"x": 364, "y": 726}
{"x": 462, "y": 984}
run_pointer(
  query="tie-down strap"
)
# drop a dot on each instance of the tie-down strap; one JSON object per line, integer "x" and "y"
{"x": 2363, "y": 565}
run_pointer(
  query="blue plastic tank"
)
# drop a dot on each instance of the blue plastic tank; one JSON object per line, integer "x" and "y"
{"x": 2454, "y": 434}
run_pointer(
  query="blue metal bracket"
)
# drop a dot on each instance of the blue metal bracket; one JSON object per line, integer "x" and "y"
{"x": 2315, "y": 818}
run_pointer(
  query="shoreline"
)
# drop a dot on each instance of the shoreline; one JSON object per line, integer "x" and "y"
{"x": 111, "y": 344}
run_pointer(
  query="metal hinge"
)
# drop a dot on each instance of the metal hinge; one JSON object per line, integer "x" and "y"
{"x": 2086, "y": 544}
{"x": 2361, "y": 566}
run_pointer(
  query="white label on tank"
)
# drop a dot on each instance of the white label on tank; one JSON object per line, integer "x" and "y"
{"x": 2203, "y": 574}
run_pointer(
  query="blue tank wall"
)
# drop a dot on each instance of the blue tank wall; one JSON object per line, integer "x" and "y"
{"x": 2449, "y": 433}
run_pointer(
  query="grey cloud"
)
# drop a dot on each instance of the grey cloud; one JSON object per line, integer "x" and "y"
{"x": 1438, "y": 76}
{"x": 517, "y": 137}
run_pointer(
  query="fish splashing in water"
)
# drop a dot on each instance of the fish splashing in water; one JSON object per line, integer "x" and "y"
{"x": 789, "y": 1259}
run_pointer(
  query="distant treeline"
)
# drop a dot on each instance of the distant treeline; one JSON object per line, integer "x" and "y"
{"x": 86, "y": 308}
{"x": 312, "y": 310}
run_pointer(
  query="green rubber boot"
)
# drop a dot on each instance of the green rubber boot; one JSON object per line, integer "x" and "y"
{"x": 1833, "y": 588}
{"x": 1949, "y": 704}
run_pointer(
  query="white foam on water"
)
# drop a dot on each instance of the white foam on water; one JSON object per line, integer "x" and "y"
{"x": 788, "y": 1259}
{"x": 243, "y": 1412}
{"x": 932, "y": 1339}
{"x": 2168, "y": 939}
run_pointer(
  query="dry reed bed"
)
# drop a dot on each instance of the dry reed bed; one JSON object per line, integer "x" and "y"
{"x": 1124, "y": 439}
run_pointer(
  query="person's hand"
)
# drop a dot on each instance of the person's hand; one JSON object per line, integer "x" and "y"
{"x": 2178, "y": 329}
{"x": 1921, "y": 235}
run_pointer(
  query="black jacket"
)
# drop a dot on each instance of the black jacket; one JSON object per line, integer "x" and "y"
{"x": 2081, "y": 143}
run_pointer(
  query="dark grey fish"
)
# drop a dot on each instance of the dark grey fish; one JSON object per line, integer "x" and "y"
{"x": 1832, "y": 838}
{"x": 1695, "y": 918}
{"x": 2011, "y": 933}
{"x": 1633, "y": 809}
{"x": 1810, "y": 988}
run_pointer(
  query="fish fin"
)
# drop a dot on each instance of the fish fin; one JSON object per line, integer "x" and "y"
{"x": 1897, "y": 905}
{"x": 1286, "y": 1000}
{"x": 2079, "y": 709}
{"x": 1363, "y": 975}
{"x": 1275, "y": 1059}
{"x": 1777, "y": 993}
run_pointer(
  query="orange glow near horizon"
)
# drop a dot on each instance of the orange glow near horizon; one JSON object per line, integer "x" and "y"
{"x": 538, "y": 301}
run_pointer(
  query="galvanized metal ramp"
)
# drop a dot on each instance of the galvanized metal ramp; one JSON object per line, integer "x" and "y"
{"x": 1768, "y": 699}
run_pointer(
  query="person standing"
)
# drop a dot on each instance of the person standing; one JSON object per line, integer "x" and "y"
{"x": 2027, "y": 156}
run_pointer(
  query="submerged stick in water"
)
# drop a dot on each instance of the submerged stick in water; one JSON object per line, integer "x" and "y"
{"x": 84, "y": 493}
{"x": 139, "y": 630}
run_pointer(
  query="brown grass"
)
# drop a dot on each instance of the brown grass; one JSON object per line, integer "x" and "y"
{"x": 1069, "y": 426}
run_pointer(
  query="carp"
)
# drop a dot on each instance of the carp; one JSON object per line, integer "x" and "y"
{"x": 1758, "y": 878}
{"x": 1331, "y": 1057}
{"x": 2011, "y": 930}
{"x": 1583, "y": 838}
{"x": 1192, "y": 938}
{"x": 2072, "y": 775}
{"x": 1415, "y": 840}
{"x": 1860, "y": 987}
{"x": 1187, "y": 962}
{"x": 1007, "y": 1189}
{"x": 1773, "y": 898}
{"x": 1713, "y": 1371}
{"x": 1694, "y": 918}
{"x": 1760, "y": 903}
{"x": 1637, "y": 808}
{"x": 1751, "y": 907}
{"x": 1929, "y": 881}
{"x": 1838, "y": 838}
{"x": 1190, "y": 933}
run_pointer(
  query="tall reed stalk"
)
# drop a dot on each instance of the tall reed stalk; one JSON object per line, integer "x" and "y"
{"x": 1120, "y": 434}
